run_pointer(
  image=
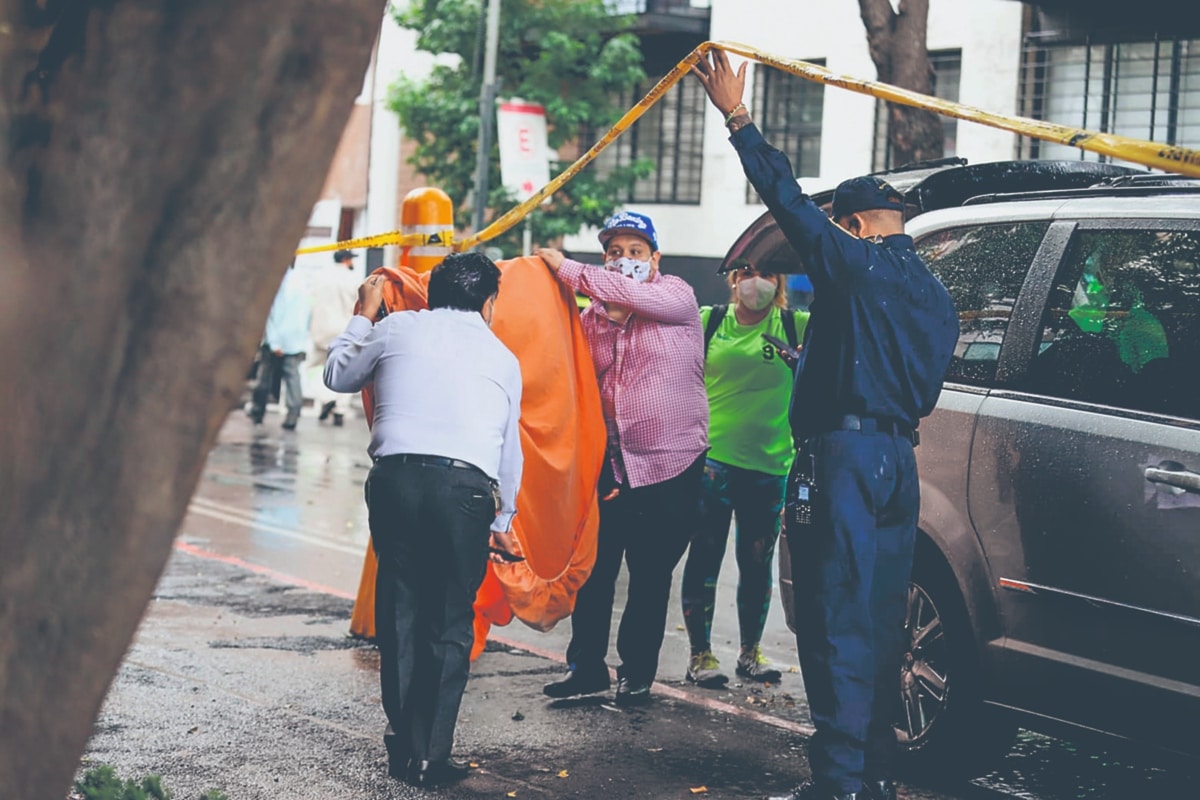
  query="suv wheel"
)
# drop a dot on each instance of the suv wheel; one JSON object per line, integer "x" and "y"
{"x": 944, "y": 729}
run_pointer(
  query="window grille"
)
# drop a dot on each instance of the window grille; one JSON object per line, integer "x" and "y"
{"x": 789, "y": 111}
{"x": 1144, "y": 89}
{"x": 671, "y": 134}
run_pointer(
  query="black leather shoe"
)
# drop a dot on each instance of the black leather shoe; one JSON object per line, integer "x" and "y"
{"x": 632, "y": 693}
{"x": 879, "y": 790}
{"x": 399, "y": 768}
{"x": 437, "y": 773}
{"x": 810, "y": 791}
{"x": 326, "y": 410}
{"x": 578, "y": 682}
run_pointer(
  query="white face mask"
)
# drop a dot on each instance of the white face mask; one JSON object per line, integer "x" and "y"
{"x": 630, "y": 268}
{"x": 756, "y": 293}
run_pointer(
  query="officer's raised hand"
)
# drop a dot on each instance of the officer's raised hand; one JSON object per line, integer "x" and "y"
{"x": 725, "y": 88}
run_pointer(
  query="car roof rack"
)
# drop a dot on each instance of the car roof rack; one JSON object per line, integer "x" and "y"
{"x": 950, "y": 182}
{"x": 1141, "y": 185}
{"x": 956, "y": 187}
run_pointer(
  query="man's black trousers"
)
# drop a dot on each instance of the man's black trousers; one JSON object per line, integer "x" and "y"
{"x": 430, "y": 528}
{"x": 650, "y": 528}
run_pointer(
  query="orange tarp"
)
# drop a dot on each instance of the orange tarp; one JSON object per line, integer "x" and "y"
{"x": 562, "y": 439}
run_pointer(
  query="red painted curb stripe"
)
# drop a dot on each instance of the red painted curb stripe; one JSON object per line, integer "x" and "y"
{"x": 282, "y": 577}
{"x": 659, "y": 688}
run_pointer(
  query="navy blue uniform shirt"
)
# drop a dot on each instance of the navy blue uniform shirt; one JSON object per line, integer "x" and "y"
{"x": 882, "y": 328}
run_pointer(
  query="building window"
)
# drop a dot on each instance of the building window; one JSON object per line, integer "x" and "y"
{"x": 670, "y": 134}
{"x": 788, "y": 110}
{"x": 947, "y": 71}
{"x": 1146, "y": 90}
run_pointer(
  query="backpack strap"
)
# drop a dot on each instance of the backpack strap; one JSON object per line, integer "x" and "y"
{"x": 788, "y": 317}
{"x": 715, "y": 315}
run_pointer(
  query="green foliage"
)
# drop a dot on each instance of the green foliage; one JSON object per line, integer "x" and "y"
{"x": 571, "y": 56}
{"x": 102, "y": 783}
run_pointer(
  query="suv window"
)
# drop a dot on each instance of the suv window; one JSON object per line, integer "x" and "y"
{"x": 983, "y": 267}
{"x": 1122, "y": 327}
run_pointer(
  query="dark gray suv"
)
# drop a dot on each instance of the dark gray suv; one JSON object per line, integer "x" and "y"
{"x": 1057, "y": 577}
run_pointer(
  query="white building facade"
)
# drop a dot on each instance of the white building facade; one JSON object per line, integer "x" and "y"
{"x": 998, "y": 55}
{"x": 830, "y": 133}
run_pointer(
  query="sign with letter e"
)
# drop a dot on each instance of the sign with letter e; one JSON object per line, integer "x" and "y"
{"x": 524, "y": 154}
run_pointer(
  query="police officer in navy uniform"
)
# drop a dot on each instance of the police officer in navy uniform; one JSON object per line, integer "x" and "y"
{"x": 879, "y": 339}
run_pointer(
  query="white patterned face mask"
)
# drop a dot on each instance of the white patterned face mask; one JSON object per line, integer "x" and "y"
{"x": 756, "y": 293}
{"x": 630, "y": 268}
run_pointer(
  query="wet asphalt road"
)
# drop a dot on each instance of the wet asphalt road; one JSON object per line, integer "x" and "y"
{"x": 242, "y": 677}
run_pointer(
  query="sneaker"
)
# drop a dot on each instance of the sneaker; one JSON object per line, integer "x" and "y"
{"x": 704, "y": 670}
{"x": 752, "y": 664}
{"x": 630, "y": 693}
{"x": 289, "y": 422}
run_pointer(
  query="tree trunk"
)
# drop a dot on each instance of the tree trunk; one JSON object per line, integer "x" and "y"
{"x": 161, "y": 161}
{"x": 897, "y": 43}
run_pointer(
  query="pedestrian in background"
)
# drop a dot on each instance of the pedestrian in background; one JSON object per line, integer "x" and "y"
{"x": 878, "y": 343}
{"x": 334, "y": 290}
{"x": 284, "y": 346}
{"x": 448, "y": 464}
{"x": 643, "y": 331}
{"x": 749, "y": 385}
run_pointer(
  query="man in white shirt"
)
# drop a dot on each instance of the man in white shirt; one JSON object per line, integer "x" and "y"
{"x": 448, "y": 462}
{"x": 334, "y": 290}
{"x": 284, "y": 345}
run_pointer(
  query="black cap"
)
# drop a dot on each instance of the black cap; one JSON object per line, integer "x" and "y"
{"x": 342, "y": 255}
{"x": 865, "y": 194}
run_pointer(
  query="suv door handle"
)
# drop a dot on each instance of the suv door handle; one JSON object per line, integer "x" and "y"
{"x": 1179, "y": 478}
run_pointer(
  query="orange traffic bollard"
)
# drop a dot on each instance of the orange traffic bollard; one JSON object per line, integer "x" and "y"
{"x": 427, "y": 211}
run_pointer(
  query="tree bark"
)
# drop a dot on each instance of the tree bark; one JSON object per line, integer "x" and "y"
{"x": 896, "y": 39}
{"x": 160, "y": 163}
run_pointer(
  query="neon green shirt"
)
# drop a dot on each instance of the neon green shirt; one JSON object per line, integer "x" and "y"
{"x": 749, "y": 388}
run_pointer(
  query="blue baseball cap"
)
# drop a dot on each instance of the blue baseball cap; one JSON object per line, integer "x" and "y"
{"x": 629, "y": 222}
{"x": 865, "y": 194}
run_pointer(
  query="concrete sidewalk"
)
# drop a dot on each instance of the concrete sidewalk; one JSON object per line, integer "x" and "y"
{"x": 244, "y": 684}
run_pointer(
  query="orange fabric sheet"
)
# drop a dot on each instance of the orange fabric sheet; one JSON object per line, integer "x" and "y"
{"x": 562, "y": 438}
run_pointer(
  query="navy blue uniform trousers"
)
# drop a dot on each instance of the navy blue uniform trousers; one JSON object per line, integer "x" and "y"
{"x": 850, "y": 569}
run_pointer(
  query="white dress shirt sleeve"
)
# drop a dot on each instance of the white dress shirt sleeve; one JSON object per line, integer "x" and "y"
{"x": 354, "y": 354}
{"x": 512, "y": 461}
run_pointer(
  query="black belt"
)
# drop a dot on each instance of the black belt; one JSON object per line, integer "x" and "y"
{"x": 431, "y": 461}
{"x": 893, "y": 427}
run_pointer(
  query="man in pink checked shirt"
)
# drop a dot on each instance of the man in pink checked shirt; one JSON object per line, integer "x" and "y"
{"x": 643, "y": 330}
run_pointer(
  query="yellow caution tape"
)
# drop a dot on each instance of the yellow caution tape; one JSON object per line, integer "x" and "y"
{"x": 1182, "y": 160}
{"x": 438, "y": 239}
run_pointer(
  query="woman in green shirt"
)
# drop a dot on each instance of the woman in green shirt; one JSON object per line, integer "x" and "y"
{"x": 749, "y": 388}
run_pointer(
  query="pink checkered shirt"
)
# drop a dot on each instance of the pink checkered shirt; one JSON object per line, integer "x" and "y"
{"x": 650, "y": 369}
